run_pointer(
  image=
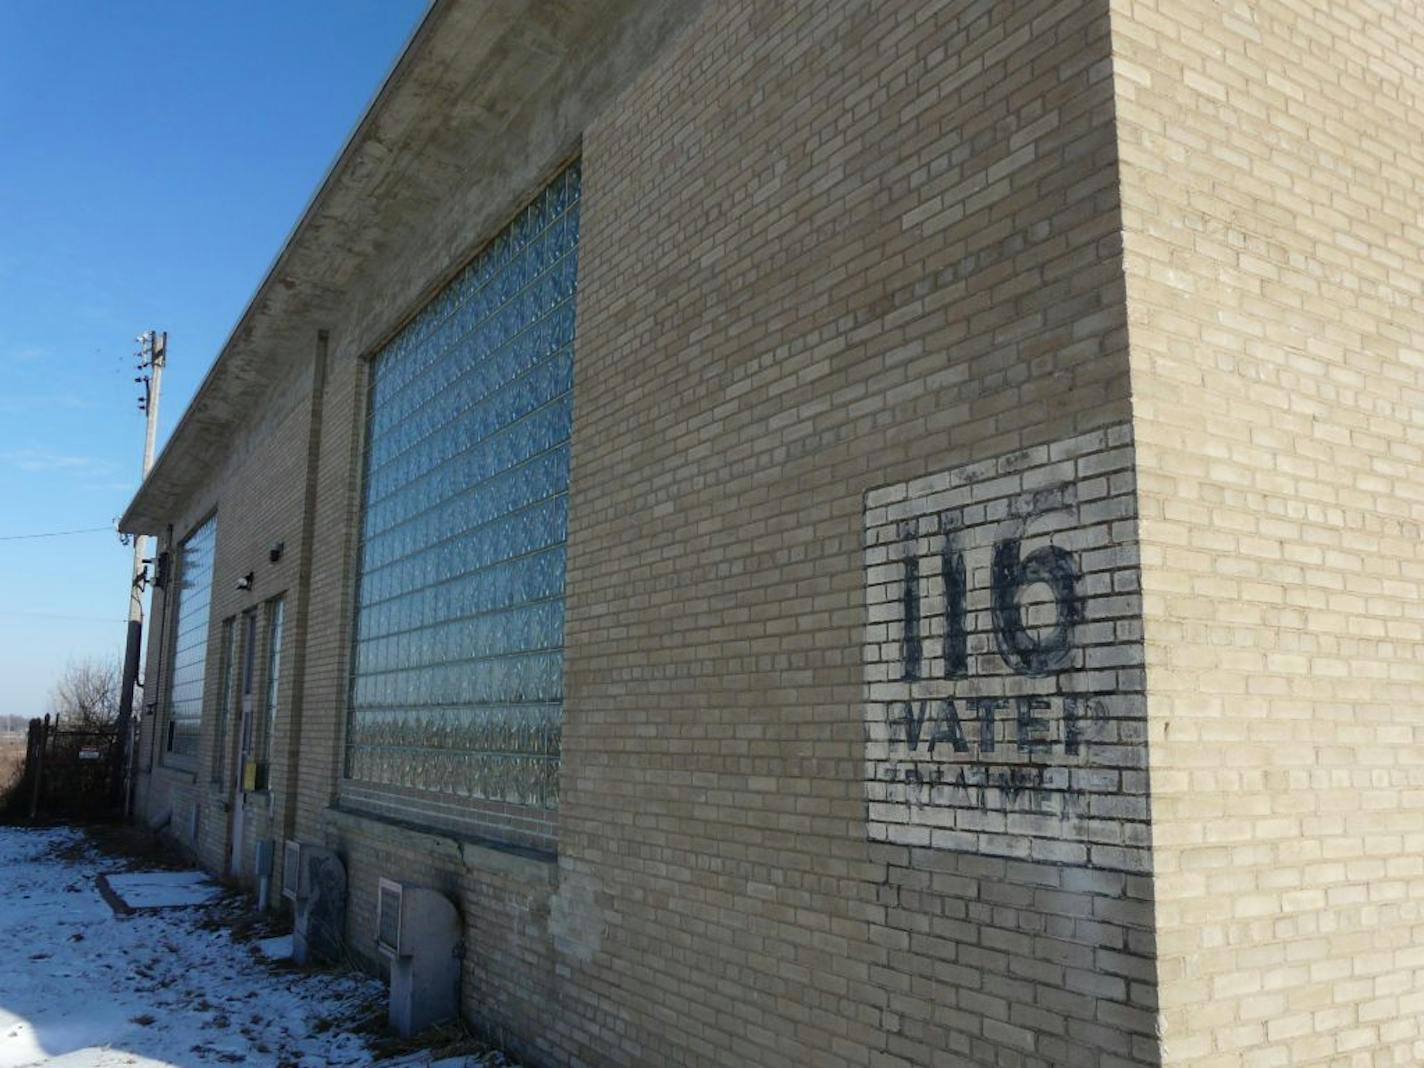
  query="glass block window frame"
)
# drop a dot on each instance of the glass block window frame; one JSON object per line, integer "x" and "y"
{"x": 457, "y": 665}
{"x": 188, "y": 664}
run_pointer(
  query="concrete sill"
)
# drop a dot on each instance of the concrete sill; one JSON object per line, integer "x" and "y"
{"x": 474, "y": 854}
{"x": 172, "y": 774}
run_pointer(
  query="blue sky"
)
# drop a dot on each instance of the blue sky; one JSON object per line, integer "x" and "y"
{"x": 153, "y": 157}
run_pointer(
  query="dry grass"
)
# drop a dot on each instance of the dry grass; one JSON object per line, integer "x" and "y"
{"x": 131, "y": 848}
{"x": 12, "y": 760}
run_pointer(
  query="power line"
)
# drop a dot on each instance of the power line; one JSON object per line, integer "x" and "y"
{"x": 6, "y": 617}
{"x": 55, "y": 533}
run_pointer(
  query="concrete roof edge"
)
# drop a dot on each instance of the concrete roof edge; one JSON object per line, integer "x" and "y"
{"x": 134, "y": 521}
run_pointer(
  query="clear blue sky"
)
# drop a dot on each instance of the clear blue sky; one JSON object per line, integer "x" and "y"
{"x": 153, "y": 156}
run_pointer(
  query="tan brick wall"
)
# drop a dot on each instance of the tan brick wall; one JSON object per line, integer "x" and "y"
{"x": 823, "y": 253}
{"x": 257, "y": 499}
{"x": 1272, "y": 176}
{"x": 851, "y": 292}
{"x": 510, "y": 972}
{"x": 776, "y": 319}
{"x": 825, "y": 249}
{"x": 335, "y": 519}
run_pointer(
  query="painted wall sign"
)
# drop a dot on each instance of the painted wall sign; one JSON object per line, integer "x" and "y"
{"x": 1003, "y": 697}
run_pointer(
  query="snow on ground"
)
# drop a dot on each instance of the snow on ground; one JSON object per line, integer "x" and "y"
{"x": 83, "y": 988}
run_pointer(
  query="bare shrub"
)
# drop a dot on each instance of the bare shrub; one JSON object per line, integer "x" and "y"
{"x": 87, "y": 694}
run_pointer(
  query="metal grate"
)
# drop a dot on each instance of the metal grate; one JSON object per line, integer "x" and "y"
{"x": 291, "y": 869}
{"x": 388, "y": 917}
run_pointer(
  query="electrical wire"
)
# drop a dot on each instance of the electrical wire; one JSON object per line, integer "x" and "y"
{"x": 8, "y": 617}
{"x": 55, "y": 533}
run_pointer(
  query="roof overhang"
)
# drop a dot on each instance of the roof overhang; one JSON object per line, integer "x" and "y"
{"x": 481, "y": 102}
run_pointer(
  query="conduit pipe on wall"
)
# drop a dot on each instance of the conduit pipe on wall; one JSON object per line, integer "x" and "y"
{"x": 153, "y": 673}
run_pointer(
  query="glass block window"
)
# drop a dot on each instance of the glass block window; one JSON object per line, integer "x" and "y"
{"x": 457, "y": 684}
{"x": 190, "y": 642}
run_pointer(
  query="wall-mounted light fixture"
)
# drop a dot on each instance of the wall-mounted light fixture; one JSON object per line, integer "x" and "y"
{"x": 275, "y": 552}
{"x": 245, "y": 583}
{"x": 161, "y": 564}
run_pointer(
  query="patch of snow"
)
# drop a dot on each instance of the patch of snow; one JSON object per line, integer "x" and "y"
{"x": 279, "y": 948}
{"x": 164, "y": 889}
{"x": 84, "y": 988}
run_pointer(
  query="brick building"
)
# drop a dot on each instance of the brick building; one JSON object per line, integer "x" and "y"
{"x": 840, "y": 534}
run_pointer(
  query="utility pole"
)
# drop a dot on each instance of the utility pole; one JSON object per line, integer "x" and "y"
{"x": 151, "y": 356}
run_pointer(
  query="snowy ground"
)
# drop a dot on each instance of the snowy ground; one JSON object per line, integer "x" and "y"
{"x": 83, "y": 988}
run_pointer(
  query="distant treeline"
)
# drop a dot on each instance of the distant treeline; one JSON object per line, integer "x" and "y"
{"x": 14, "y": 723}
